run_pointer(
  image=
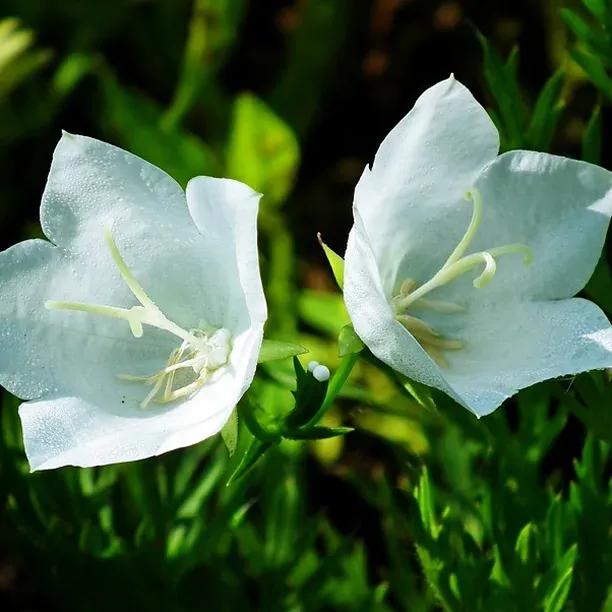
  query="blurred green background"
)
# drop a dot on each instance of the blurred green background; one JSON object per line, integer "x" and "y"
{"x": 422, "y": 507}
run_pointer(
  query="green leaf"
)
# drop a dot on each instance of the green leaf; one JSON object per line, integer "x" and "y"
{"x": 349, "y": 342}
{"x": 597, "y": 7}
{"x": 316, "y": 433}
{"x": 212, "y": 32}
{"x": 246, "y": 413}
{"x": 309, "y": 396}
{"x": 271, "y": 350}
{"x": 335, "y": 261}
{"x": 18, "y": 57}
{"x": 581, "y": 29}
{"x": 424, "y": 496}
{"x": 546, "y": 113}
{"x": 323, "y": 310}
{"x": 263, "y": 151}
{"x": 594, "y": 69}
{"x": 254, "y": 452}
{"x": 502, "y": 83}
{"x": 525, "y": 547}
{"x": 555, "y": 601}
{"x": 591, "y": 138}
{"x": 229, "y": 433}
{"x": 70, "y": 72}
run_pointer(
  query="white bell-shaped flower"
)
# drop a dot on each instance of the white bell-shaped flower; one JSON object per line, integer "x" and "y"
{"x": 136, "y": 328}
{"x": 461, "y": 263}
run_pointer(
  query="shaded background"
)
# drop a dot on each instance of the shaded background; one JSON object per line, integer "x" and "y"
{"x": 294, "y": 98}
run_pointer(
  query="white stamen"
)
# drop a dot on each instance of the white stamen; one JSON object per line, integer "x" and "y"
{"x": 412, "y": 296}
{"x": 201, "y": 352}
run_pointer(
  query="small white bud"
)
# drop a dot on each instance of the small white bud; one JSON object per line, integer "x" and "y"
{"x": 321, "y": 373}
{"x": 312, "y": 365}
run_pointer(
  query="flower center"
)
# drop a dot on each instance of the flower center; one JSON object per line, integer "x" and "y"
{"x": 188, "y": 367}
{"x": 413, "y": 296}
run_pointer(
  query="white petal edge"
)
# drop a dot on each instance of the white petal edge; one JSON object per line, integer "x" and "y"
{"x": 411, "y": 200}
{"x": 91, "y": 181}
{"x": 513, "y": 345}
{"x": 559, "y": 207}
{"x": 69, "y": 431}
{"x": 373, "y": 319}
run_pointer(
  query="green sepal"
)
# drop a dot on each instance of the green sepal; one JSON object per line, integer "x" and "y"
{"x": 349, "y": 342}
{"x": 309, "y": 395}
{"x": 335, "y": 261}
{"x": 316, "y": 433}
{"x": 272, "y": 350}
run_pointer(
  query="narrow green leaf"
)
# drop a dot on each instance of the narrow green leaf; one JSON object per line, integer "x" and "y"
{"x": 424, "y": 496}
{"x": 70, "y": 72}
{"x": 256, "y": 450}
{"x": 212, "y": 31}
{"x": 525, "y": 546}
{"x": 592, "y": 136}
{"x": 271, "y": 350}
{"x": 597, "y": 7}
{"x": 581, "y": 29}
{"x": 246, "y": 413}
{"x": 594, "y": 69}
{"x": 229, "y": 433}
{"x": 555, "y": 601}
{"x": 501, "y": 79}
{"x": 546, "y": 113}
{"x": 335, "y": 261}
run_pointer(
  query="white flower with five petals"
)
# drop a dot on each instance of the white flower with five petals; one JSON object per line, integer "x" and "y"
{"x": 136, "y": 329}
{"x": 461, "y": 264}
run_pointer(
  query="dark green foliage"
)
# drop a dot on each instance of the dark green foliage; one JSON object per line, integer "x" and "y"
{"x": 520, "y": 126}
{"x": 421, "y": 507}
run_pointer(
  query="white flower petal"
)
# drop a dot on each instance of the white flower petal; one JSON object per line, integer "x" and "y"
{"x": 225, "y": 212}
{"x": 411, "y": 200}
{"x": 72, "y": 431}
{"x": 373, "y": 319}
{"x": 48, "y": 352}
{"x": 69, "y": 361}
{"x": 559, "y": 207}
{"x": 92, "y": 182}
{"x": 93, "y": 185}
{"x": 510, "y": 346}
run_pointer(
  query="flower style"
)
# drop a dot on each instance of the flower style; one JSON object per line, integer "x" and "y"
{"x": 461, "y": 263}
{"x": 136, "y": 329}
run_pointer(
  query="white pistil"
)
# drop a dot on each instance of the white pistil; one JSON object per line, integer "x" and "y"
{"x": 412, "y": 296}
{"x": 203, "y": 352}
